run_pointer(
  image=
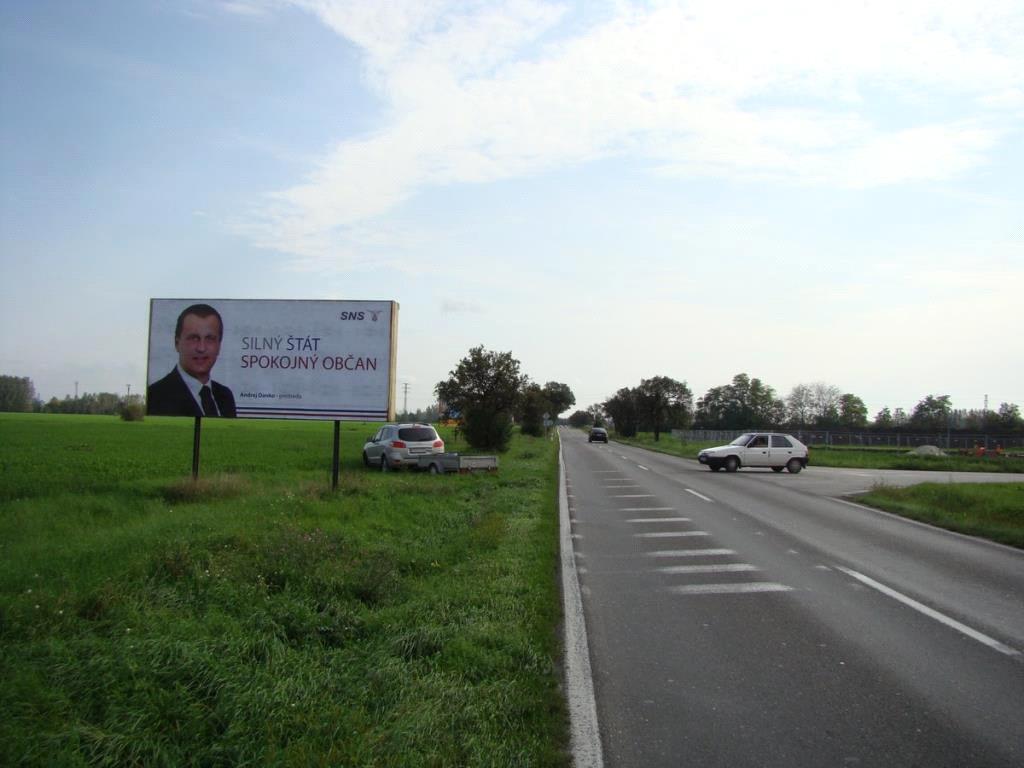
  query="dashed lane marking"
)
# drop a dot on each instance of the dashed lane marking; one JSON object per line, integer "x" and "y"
{"x": 670, "y": 534}
{"x": 648, "y": 509}
{"x": 698, "y": 495}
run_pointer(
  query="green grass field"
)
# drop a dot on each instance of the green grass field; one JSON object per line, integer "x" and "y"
{"x": 257, "y": 618}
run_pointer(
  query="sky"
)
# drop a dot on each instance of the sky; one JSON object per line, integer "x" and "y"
{"x": 800, "y": 191}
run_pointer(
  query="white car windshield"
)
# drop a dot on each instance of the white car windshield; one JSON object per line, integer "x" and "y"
{"x": 741, "y": 440}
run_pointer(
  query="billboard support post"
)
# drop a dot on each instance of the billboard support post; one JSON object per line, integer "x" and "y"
{"x": 195, "y": 448}
{"x": 334, "y": 462}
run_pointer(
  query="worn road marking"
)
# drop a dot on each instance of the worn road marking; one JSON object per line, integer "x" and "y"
{"x": 645, "y": 469}
{"x": 690, "y": 553}
{"x": 729, "y": 589}
{"x": 648, "y": 509}
{"x": 669, "y": 534}
{"x": 634, "y": 496}
{"x": 714, "y": 568}
{"x": 658, "y": 520}
{"x": 698, "y": 495}
{"x": 931, "y": 613}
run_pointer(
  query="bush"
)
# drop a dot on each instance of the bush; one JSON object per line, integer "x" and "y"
{"x": 488, "y": 430}
{"x": 133, "y": 412}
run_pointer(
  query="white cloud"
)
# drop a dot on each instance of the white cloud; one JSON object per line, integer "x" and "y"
{"x": 480, "y": 92}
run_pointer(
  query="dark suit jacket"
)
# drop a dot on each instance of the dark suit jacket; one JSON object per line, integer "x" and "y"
{"x": 171, "y": 397}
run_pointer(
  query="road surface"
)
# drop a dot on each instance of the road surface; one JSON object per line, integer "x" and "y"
{"x": 755, "y": 619}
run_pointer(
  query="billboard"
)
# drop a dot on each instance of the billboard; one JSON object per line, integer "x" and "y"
{"x": 272, "y": 359}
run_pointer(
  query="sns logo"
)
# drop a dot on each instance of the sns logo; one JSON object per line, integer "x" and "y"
{"x": 352, "y": 316}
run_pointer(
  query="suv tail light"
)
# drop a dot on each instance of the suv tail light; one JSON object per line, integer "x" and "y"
{"x": 398, "y": 444}
{"x": 439, "y": 443}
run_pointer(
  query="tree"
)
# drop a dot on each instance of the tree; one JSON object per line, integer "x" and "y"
{"x": 16, "y": 394}
{"x": 743, "y": 404}
{"x": 853, "y": 414}
{"x": 663, "y": 403}
{"x": 883, "y": 419}
{"x": 560, "y": 398}
{"x": 484, "y": 389}
{"x": 1009, "y": 417}
{"x": 581, "y": 419}
{"x": 623, "y": 410}
{"x": 534, "y": 404}
{"x": 799, "y": 406}
{"x": 932, "y": 413}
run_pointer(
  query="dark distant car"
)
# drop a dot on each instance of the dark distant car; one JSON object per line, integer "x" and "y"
{"x": 598, "y": 435}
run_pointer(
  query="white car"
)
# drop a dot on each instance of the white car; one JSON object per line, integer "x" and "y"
{"x": 758, "y": 449}
{"x": 401, "y": 445}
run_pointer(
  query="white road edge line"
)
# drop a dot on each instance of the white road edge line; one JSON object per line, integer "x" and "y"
{"x": 931, "y": 612}
{"x": 584, "y": 735}
{"x": 698, "y": 495}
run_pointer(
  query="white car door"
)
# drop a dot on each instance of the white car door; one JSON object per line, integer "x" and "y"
{"x": 782, "y": 450}
{"x": 756, "y": 454}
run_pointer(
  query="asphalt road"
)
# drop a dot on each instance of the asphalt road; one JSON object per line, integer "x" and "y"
{"x": 754, "y": 619}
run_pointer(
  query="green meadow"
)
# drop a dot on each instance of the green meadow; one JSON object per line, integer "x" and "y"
{"x": 255, "y": 617}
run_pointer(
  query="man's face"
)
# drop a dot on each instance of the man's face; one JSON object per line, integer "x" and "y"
{"x": 198, "y": 345}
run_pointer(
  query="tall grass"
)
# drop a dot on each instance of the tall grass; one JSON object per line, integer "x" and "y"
{"x": 992, "y": 510}
{"x": 257, "y": 618}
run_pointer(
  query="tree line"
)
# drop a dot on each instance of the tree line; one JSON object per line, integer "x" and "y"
{"x": 18, "y": 395}
{"x": 662, "y": 403}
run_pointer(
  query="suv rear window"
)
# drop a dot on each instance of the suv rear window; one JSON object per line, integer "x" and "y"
{"x": 417, "y": 434}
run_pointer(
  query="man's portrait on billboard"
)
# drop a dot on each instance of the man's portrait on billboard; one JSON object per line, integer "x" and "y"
{"x": 189, "y": 389}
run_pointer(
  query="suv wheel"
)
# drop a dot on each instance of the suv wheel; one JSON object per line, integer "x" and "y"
{"x": 732, "y": 464}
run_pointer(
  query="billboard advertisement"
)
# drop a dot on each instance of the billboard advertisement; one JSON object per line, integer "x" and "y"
{"x": 272, "y": 359}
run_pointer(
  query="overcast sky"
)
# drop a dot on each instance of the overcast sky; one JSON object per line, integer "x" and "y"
{"x": 803, "y": 191}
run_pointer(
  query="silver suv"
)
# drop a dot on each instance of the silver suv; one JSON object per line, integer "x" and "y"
{"x": 758, "y": 449}
{"x": 401, "y": 445}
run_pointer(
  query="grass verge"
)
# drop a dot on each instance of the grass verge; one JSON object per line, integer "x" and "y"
{"x": 993, "y": 511}
{"x": 257, "y": 618}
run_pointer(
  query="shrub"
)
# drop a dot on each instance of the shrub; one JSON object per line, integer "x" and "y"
{"x": 133, "y": 412}
{"x": 488, "y": 430}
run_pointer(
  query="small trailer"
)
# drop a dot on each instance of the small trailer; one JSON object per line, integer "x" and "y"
{"x": 441, "y": 463}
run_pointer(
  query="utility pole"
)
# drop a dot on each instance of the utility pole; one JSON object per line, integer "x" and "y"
{"x": 405, "y": 406}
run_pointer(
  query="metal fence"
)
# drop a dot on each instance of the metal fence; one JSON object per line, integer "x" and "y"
{"x": 949, "y": 440}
